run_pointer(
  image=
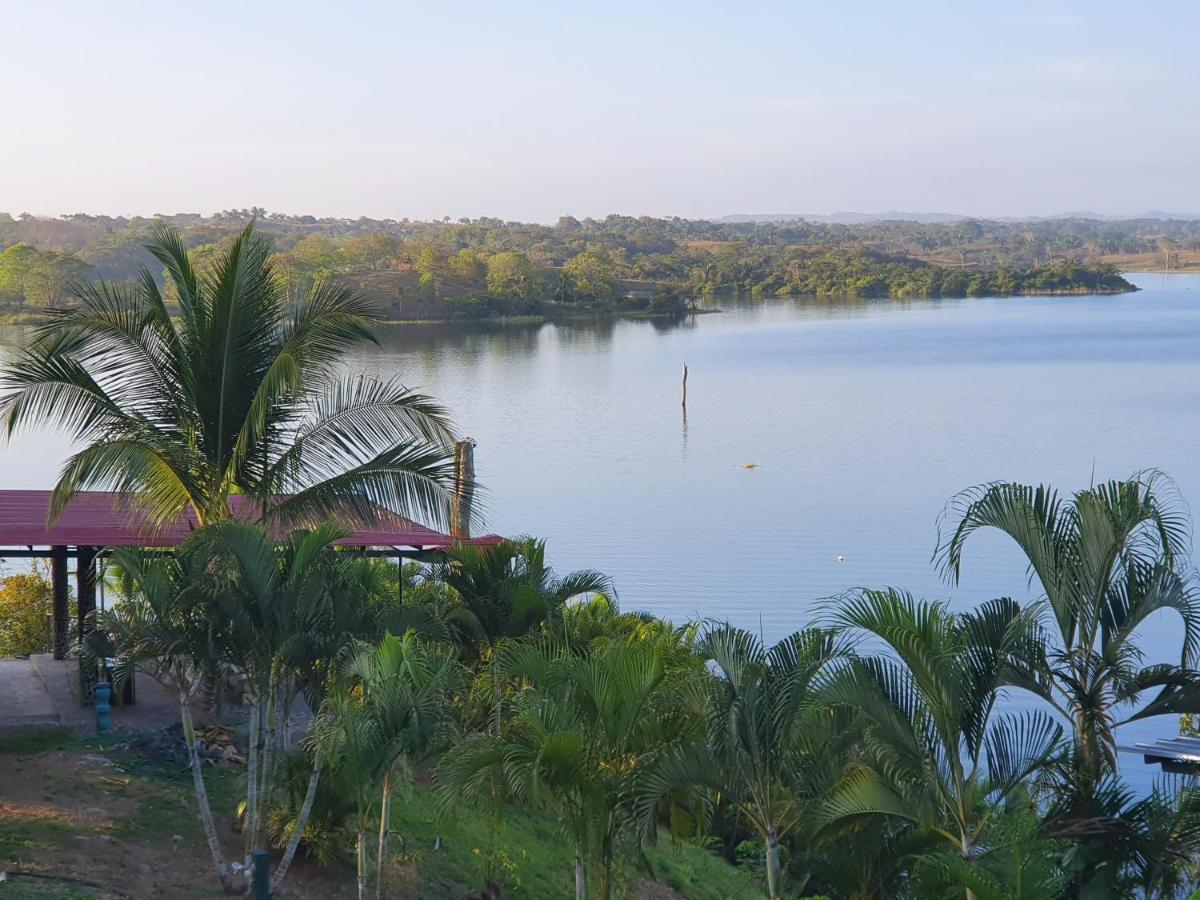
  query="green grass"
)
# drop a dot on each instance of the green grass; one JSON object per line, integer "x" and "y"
{"x": 153, "y": 819}
{"x": 20, "y": 887}
{"x": 37, "y": 741}
{"x": 530, "y": 855}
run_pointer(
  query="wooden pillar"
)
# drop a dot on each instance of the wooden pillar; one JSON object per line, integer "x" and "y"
{"x": 61, "y": 601}
{"x": 464, "y": 489}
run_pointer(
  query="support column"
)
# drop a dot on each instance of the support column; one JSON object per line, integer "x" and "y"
{"x": 85, "y": 593}
{"x": 61, "y": 603}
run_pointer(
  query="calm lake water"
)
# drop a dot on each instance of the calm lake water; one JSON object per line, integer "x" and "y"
{"x": 861, "y": 419}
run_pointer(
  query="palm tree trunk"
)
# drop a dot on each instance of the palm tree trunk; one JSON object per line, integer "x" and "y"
{"x": 361, "y": 861}
{"x": 206, "y": 818}
{"x": 967, "y": 855}
{"x": 267, "y": 776}
{"x": 772, "y": 863}
{"x": 606, "y": 861}
{"x": 250, "y": 825}
{"x": 385, "y": 823}
{"x": 580, "y": 878}
{"x": 498, "y": 695}
{"x": 298, "y": 831}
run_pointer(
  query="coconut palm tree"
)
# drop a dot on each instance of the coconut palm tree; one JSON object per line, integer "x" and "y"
{"x": 390, "y": 708}
{"x": 574, "y": 743}
{"x": 767, "y": 752}
{"x": 935, "y": 752}
{"x": 235, "y": 391}
{"x": 1105, "y": 561}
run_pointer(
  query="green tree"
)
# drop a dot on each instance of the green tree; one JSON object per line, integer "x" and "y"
{"x": 590, "y": 277}
{"x": 506, "y": 590}
{"x": 935, "y": 753}
{"x": 428, "y": 262}
{"x": 769, "y": 752}
{"x": 236, "y": 394}
{"x": 233, "y": 598}
{"x": 26, "y": 602}
{"x": 468, "y": 265}
{"x": 511, "y": 274}
{"x": 574, "y": 744}
{"x": 389, "y": 710}
{"x": 1105, "y": 560}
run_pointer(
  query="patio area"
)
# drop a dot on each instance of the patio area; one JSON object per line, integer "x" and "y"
{"x": 37, "y": 692}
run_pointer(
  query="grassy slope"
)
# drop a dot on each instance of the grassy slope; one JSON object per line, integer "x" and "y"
{"x": 94, "y": 821}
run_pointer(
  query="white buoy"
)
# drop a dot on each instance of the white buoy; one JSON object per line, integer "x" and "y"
{"x": 841, "y": 558}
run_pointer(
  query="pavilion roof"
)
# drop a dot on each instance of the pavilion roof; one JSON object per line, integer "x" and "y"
{"x": 103, "y": 519}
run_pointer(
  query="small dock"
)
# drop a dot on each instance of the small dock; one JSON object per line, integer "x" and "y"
{"x": 1179, "y": 755}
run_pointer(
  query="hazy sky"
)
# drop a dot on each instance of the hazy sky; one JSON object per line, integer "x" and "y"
{"x": 532, "y": 110}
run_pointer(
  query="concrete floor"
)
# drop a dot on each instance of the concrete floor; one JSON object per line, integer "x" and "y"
{"x": 37, "y": 693}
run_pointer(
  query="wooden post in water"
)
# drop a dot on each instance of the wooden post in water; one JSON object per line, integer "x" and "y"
{"x": 683, "y": 401}
{"x": 464, "y": 489}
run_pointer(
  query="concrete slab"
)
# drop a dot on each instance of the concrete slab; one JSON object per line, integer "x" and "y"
{"x": 24, "y": 701}
{"x": 39, "y": 692}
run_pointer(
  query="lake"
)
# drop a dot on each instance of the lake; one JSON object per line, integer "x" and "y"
{"x": 861, "y": 419}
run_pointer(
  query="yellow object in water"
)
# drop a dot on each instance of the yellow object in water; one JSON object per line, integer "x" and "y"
{"x": 749, "y": 465}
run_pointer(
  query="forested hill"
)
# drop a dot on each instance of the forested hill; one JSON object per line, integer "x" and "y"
{"x": 484, "y": 267}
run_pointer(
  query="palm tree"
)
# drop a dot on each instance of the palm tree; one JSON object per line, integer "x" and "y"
{"x": 390, "y": 708}
{"x": 504, "y": 591}
{"x": 767, "y": 753}
{"x": 1105, "y": 561}
{"x": 580, "y": 730}
{"x": 161, "y": 626}
{"x": 936, "y": 754}
{"x": 507, "y": 589}
{"x": 233, "y": 598}
{"x": 1165, "y": 840}
{"x": 238, "y": 392}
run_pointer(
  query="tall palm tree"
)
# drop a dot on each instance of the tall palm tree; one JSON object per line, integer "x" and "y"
{"x": 1105, "y": 561}
{"x": 236, "y": 391}
{"x": 767, "y": 752}
{"x": 936, "y": 754}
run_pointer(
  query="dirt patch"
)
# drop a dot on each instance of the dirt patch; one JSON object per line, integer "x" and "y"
{"x": 113, "y": 823}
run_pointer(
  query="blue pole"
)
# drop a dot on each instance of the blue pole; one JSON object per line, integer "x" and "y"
{"x": 103, "y": 710}
{"x": 262, "y": 876}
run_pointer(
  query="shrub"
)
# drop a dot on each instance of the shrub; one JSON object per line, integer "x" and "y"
{"x": 25, "y": 603}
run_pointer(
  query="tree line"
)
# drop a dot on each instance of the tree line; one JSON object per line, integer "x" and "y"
{"x": 489, "y": 267}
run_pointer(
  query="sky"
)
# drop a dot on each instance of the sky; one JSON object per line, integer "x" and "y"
{"x": 529, "y": 111}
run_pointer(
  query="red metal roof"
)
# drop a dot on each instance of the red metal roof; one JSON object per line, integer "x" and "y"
{"x": 100, "y": 519}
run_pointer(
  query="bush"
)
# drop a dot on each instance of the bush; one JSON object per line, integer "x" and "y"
{"x": 25, "y": 603}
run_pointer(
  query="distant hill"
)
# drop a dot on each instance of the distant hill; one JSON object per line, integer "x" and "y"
{"x": 1101, "y": 217}
{"x": 846, "y": 217}
{"x": 936, "y": 218}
